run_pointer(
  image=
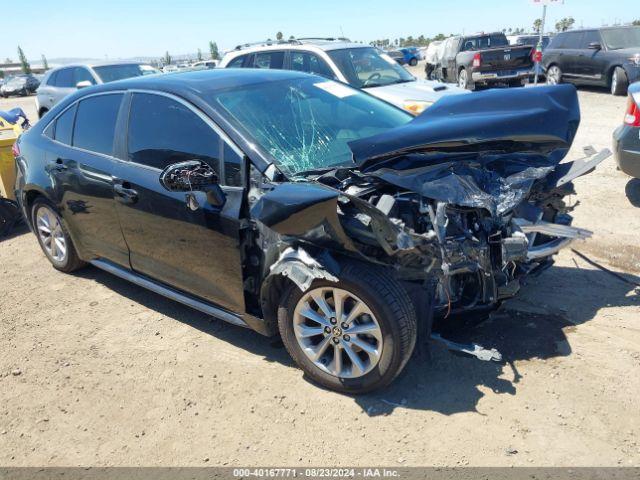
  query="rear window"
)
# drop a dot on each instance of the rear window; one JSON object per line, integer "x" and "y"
{"x": 111, "y": 73}
{"x": 272, "y": 60}
{"x": 95, "y": 123}
{"x": 237, "y": 62}
{"x": 484, "y": 42}
{"x": 63, "y": 129}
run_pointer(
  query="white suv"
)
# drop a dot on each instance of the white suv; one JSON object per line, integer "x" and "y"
{"x": 361, "y": 66}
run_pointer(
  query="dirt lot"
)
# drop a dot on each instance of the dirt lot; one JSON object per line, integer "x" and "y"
{"x": 94, "y": 371}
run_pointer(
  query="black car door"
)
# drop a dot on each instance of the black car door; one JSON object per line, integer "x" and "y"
{"x": 81, "y": 165}
{"x": 195, "y": 250}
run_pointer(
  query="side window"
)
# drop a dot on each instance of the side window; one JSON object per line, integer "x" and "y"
{"x": 273, "y": 60}
{"x": 65, "y": 78}
{"x": 589, "y": 37}
{"x": 63, "y": 129}
{"x": 556, "y": 42}
{"x": 95, "y": 124}
{"x": 232, "y": 166}
{"x": 52, "y": 79}
{"x": 573, "y": 40}
{"x": 163, "y": 131}
{"x": 81, "y": 74}
{"x": 310, "y": 63}
{"x": 237, "y": 62}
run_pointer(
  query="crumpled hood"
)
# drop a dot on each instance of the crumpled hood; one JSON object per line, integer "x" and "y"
{"x": 422, "y": 90}
{"x": 484, "y": 150}
{"x": 541, "y": 120}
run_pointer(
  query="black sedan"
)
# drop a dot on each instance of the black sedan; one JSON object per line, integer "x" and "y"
{"x": 301, "y": 207}
{"x": 626, "y": 139}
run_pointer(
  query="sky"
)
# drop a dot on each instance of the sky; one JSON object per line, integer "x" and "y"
{"x": 137, "y": 28}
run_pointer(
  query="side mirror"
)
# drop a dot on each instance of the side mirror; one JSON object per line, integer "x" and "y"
{"x": 83, "y": 84}
{"x": 191, "y": 176}
{"x": 595, "y": 46}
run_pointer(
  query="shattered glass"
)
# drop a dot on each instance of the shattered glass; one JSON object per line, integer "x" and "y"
{"x": 306, "y": 123}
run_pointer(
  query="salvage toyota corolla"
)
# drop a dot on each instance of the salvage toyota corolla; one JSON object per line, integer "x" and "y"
{"x": 298, "y": 206}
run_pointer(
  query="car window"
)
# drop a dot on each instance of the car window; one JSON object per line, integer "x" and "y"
{"x": 63, "y": 129}
{"x": 163, "y": 131}
{"x": 310, "y": 63}
{"x": 619, "y": 38}
{"x": 273, "y": 60}
{"x": 558, "y": 41}
{"x": 237, "y": 62}
{"x": 589, "y": 37}
{"x": 52, "y": 78}
{"x": 95, "y": 123}
{"x": 65, "y": 78}
{"x": 306, "y": 123}
{"x": 81, "y": 74}
{"x": 232, "y": 166}
{"x": 573, "y": 40}
{"x": 365, "y": 67}
{"x": 111, "y": 73}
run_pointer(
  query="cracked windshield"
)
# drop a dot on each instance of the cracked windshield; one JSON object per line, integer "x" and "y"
{"x": 305, "y": 124}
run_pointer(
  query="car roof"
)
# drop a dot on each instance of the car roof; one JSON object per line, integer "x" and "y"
{"x": 325, "y": 45}
{"x": 198, "y": 82}
{"x": 614, "y": 27}
{"x": 98, "y": 63}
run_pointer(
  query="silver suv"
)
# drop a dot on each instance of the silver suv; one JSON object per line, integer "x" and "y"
{"x": 361, "y": 66}
{"x": 60, "y": 82}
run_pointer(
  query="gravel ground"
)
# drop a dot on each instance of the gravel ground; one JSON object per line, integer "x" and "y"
{"x": 94, "y": 371}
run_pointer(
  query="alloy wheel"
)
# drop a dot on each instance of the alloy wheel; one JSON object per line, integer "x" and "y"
{"x": 338, "y": 332}
{"x": 614, "y": 82}
{"x": 553, "y": 76}
{"x": 51, "y": 234}
{"x": 462, "y": 79}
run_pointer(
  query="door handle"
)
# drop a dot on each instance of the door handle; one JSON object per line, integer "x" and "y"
{"x": 125, "y": 193}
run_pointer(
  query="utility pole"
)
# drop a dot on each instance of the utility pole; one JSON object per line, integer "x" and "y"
{"x": 538, "y": 54}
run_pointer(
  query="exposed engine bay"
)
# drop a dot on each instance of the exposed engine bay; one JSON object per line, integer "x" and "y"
{"x": 464, "y": 201}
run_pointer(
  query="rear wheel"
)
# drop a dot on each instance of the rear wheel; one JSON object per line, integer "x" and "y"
{"x": 413, "y": 62}
{"x": 464, "y": 81}
{"x": 619, "y": 82}
{"x": 54, "y": 238}
{"x": 353, "y": 336}
{"x": 554, "y": 75}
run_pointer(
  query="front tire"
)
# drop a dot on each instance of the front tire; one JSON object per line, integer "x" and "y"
{"x": 53, "y": 237}
{"x": 619, "y": 82}
{"x": 353, "y": 336}
{"x": 413, "y": 62}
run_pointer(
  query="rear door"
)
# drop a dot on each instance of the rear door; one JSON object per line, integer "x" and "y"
{"x": 81, "y": 165}
{"x": 195, "y": 251}
{"x": 569, "y": 62}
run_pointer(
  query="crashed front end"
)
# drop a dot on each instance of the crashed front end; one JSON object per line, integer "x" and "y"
{"x": 464, "y": 201}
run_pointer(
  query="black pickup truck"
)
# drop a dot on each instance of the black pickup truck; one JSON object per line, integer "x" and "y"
{"x": 485, "y": 58}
